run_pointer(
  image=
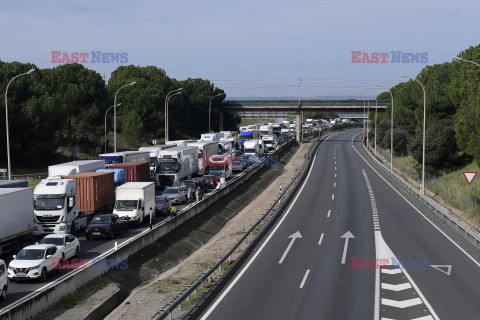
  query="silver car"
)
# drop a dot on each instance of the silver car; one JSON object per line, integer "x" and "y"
{"x": 175, "y": 195}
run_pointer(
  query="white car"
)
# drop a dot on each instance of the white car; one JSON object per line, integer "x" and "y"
{"x": 3, "y": 280}
{"x": 68, "y": 245}
{"x": 35, "y": 262}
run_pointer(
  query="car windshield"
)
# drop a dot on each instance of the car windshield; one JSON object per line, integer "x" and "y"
{"x": 54, "y": 241}
{"x": 30, "y": 254}
{"x": 245, "y": 138}
{"x": 102, "y": 220}
{"x": 171, "y": 190}
{"x": 49, "y": 203}
{"x": 217, "y": 168}
{"x": 126, "y": 205}
{"x": 160, "y": 200}
{"x": 153, "y": 162}
{"x": 250, "y": 151}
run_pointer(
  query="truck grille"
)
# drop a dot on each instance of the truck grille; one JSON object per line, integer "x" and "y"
{"x": 166, "y": 180}
{"x": 50, "y": 219}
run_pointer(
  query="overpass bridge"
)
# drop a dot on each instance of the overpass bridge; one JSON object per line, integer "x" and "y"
{"x": 348, "y": 109}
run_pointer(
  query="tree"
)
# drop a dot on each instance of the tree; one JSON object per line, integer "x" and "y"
{"x": 133, "y": 129}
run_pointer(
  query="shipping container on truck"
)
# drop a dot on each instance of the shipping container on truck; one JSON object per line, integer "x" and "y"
{"x": 66, "y": 205}
{"x": 16, "y": 216}
{"x": 73, "y": 167}
{"x": 136, "y": 171}
{"x": 119, "y": 175}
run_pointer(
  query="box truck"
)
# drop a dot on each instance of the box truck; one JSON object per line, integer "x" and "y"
{"x": 226, "y": 146}
{"x": 265, "y": 130}
{"x": 221, "y": 165}
{"x": 16, "y": 216}
{"x": 154, "y": 150}
{"x": 125, "y": 156}
{"x": 67, "y": 205}
{"x": 176, "y": 164}
{"x": 205, "y": 150}
{"x": 80, "y": 166}
{"x": 178, "y": 143}
{"x": 134, "y": 200}
{"x": 247, "y": 135}
{"x": 136, "y": 171}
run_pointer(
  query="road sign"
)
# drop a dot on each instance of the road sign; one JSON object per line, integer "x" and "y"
{"x": 3, "y": 170}
{"x": 154, "y": 142}
{"x": 469, "y": 176}
{"x": 98, "y": 149}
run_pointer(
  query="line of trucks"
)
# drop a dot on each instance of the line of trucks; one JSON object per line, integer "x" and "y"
{"x": 123, "y": 183}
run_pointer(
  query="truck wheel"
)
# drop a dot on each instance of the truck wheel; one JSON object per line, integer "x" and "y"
{"x": 4, "y": 293}
{"x": 43, "y": 275}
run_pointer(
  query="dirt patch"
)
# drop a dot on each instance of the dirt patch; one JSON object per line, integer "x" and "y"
{"x": 145, "y": 301}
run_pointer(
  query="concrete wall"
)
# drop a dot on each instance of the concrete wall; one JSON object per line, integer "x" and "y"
{"x": 50, "y": 294}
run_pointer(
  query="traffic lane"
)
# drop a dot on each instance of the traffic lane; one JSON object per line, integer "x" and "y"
{"x": 344, "y": 293}
{"x": 268, "y": 289}
{"x": 412, "y": 237}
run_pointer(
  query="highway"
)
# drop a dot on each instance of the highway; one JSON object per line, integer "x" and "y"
{"x": 319, "y": 259}
{"x": 89, "y": 250}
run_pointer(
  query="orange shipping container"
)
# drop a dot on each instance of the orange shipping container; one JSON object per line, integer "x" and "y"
{"x": 136, "y": 171}
{"x": 95, "y": 190}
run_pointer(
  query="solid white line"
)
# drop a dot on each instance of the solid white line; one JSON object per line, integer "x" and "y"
{"x": 328, "y": 215}
{"x": 304, "y": 279}
{"x": 334, "y": 184}
{"x": 416, "y": 209}
{"x": 333, "y": 196}
{"x": 321, "y": 239}
{"x": 227, "y": 290}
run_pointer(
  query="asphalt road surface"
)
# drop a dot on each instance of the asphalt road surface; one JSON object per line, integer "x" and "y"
{"x": 320, "y": 260}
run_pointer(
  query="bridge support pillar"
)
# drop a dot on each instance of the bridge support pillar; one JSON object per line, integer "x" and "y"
{"x": 298, "y": 126}
{"x": 220, "y": 121}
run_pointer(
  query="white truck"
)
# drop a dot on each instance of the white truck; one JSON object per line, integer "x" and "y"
{"x": 221, "y": 165}
{"x": 176, "y": 164}
{"x": 178, "y": 143}
{"x": 154, "y": 151}
{"x": 265, "y": 130}
{"x": 225, "y": 146}
{"x": 277, "y": 129}
{"x": 134, "y": 200}
{"x": 205, "y": 150}
{"x": 16, "y": 216}
{"x": 270, "y": 142}
{"x": 251, "y": 148}
{"x": 80, "y": 166}
{"x": 213, "y": 136}
{"x": 125, "y": 156}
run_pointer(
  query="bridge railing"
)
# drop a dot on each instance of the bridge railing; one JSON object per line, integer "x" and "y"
{"x": 289, "y": 103}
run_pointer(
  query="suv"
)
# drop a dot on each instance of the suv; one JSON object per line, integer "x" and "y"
{"x": 211, "y": 181}
{"x": 35, "y": 262}
{"x": 202, "y": 183}
{"x": 106, "y": 226}
{"x": 3, "y": 280}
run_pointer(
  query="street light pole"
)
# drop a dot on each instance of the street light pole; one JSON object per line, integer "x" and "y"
{"x": 376, "y": 107}
{"x": 363, "y": 131}
{"x": 368, "y": 113}
{"x": 460, "y": 59}
{"x": 118, "y": 105}
{"x": 424, "y": 119}
{"x": 115, "y": 116}
{"x": 6, "y": 122}
{"x": 167, "y": 99}
{"x": 210, "y": 109}
{"x": 391, "y": 128}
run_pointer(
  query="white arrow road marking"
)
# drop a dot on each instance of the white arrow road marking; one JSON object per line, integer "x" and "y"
{"x": 346, "y": 236}
{"x": 392, "y": 271}
{"x": 424, "y": 318}
{"x": 293, "y": 237}
{"x": 438, "y": 267}
{"x": 304, "y": 279}
{"x": 402, "y": 304}
{"x": 396, "y": 287}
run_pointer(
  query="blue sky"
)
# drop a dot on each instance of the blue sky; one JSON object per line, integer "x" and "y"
{"x": 249, "y": 48}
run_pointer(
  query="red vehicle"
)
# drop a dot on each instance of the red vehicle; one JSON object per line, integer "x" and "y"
{"x": 211, "y": 180}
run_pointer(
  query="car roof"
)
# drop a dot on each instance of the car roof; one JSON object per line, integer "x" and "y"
{"x": 53, "y": 235}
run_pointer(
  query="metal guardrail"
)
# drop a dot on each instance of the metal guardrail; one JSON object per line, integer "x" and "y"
{"x": 206, "y": 276}
{"x": 446, "y": 215}
{"x": 41, "y": 175}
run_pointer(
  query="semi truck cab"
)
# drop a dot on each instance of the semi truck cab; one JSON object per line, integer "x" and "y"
{"x": 55, "y": 206}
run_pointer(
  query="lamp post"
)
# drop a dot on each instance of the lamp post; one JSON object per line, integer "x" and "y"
{"x": 210, "y": 109}
{"x": 391, "y": 128}
{"x": 6, "y": 121}
{"x": 167, "y": 99}
{"x": 460, "y": 59}
{"x": 115, "y": 116}
{"x": 368, "y": 115}
{"x": 363, "y": 131}
{"x": 424, "y": 119}
{"x": 118, "y": 105}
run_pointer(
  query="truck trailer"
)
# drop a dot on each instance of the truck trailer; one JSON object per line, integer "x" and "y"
{"x": 205, "y": 150}
{"x": 125, "y": 156}
{"x": 16, "y": 215}
{"x": 135, "y": 171}
{"x": 176, "y": 164}
{"x": 73, "y": 167}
